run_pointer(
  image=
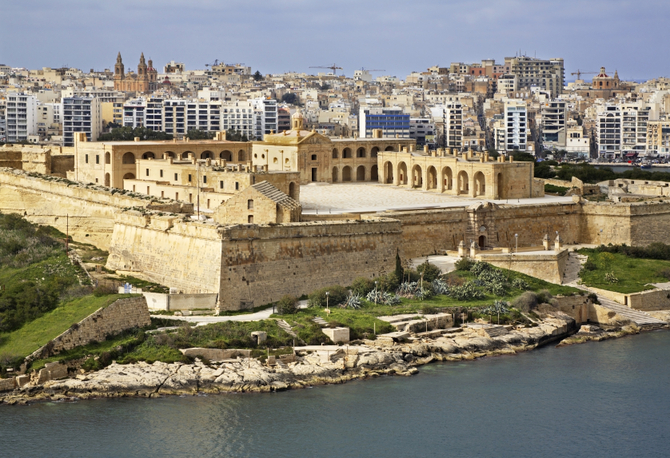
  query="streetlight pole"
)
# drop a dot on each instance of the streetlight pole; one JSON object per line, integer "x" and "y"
{"x": 516, "y": 238}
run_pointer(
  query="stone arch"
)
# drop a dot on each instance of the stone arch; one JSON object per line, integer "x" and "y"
{"x": 346, "y": 153}
{"x": 108, "y": 180}
{"x": 206, "y": 155}
{"x": 335, "y": 175}
{"x": 129, "y": 176}
{"x": 128, "y": 158}
{"x": 388, "y": 172}
{"x": 108, "y": 158}
{"x": 241, "y": 156}
{"x": 389, "y": 148}
{"x": 374, "y": 152}
{"x": 447, "y": 179}
{"x": 226, "y": 155}
{"x": 463, "y": 183}
{"x": 402, "y": 173}
{"x": 336, "y": 154}
{"x": 168, "y": 154}
{"x": 417, "y": 176}
{"x": 480, "y": 184}
{"x": 346, "y": 173}
{"x": 432, "y": 178}
{"x": 292, "y": 191}
{"x": 185, "y": 154}
{"x": 360, "y": 173}
{"x": 360, "y": 152}
{"x": 149, "y": 155}
{"x": 374, "y": 173}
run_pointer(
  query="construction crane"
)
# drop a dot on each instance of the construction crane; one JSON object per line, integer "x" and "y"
{"x": 372, "y": 69}
{"x": 579, "y": 73}
{"x": 216, "y": 62}
{"x": 333, "y": 67}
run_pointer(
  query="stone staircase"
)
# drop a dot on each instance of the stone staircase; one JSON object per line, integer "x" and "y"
{"x": 636, "y": 316}
{"x": 320, "y": 321}
{"x": 286, "y": 327}
{"x": 572, "y": 267}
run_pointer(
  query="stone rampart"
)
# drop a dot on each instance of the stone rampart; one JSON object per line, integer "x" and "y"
{"x": 119, "y": 316}
{"x": 159, "y": 301}
{"x": 45, "y": 199}
{"x": 650, "y": 301}
{"x": 549, "y": 267}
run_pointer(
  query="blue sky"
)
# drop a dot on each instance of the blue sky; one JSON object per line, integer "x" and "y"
{"x": 277, "y": 36}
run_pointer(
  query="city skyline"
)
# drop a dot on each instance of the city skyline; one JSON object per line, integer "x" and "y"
{"x": 294, "y": 35}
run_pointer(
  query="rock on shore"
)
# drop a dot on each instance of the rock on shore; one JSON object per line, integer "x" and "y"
{"x": 310, "y": 368}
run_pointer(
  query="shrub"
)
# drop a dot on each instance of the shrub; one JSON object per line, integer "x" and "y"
{"x": 440, "y": 287}
{"x": 520, "y": 283}
{"x": 388, "y": 282}
{"x": 464, "y": 264}
{"x": 526, "y": 302}
{"x": 103, "y": 290}
{"x": 610, "y": 277}
{"x": 430, "y": 271}
{"x": 480, "y": 267}
{"x": 353, "y": 301}
{"x": 467, "y": 292}
{"x": 287, "y": 305}
{"x": 544, "y": 296}
{"x": 590, "y": 265}
{"x": 337, "y": 295}
{"x": 362, "y": 286}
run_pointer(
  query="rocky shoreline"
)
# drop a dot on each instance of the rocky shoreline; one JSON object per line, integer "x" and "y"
{"x": 312, "y": 366}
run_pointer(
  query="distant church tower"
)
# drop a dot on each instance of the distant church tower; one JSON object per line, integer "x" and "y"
{"x": 118, "y": 68}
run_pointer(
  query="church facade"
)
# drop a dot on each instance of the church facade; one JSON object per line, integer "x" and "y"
{"x": 145, "y": 80}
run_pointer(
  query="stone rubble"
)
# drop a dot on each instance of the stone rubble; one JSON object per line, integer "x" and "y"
{"x": 312, "y": 367}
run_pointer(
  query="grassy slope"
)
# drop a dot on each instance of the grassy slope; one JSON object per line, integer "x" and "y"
{"x": 634, "y": 274}
{"x": 33, "y": 335}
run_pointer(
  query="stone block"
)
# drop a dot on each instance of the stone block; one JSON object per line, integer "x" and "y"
{"x": 215, "y": 354}
{"x": 259, "y": 337}
{"x": 56, "y": 370}
{"x": 337, "y": 335}
{"x": 7, "y": 384}
{"x": 22, "y": 380}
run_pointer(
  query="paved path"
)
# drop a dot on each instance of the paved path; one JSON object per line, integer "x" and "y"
{"x": 202, "y": 320}
{"x": 374, "y": 197}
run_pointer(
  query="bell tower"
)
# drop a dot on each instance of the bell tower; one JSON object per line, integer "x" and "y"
{"x": 119, "y": 68}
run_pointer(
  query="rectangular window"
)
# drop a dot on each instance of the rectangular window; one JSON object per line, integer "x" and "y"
{"x": 176, "y": 196}
{"x": 87, "y": 158}
{"x": 147, "y": 171}
{"x": 221, "y": 184}
{"x": 97, "y": 159}
{"x": 237, "y": 186}
{"x": 250, "y": 204}
{"x": 161, "y": 174}
{"x": 204, "y": 178}
{"x": 189, "y": 177}
{"x": 250, "y": 219}
{"x": 175, "y": 177}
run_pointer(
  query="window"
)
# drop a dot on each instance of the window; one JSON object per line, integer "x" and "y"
{"x": 220, "y": 184}
{"x": 237, "y": 186}
{"x": 176, "y": 176}
{"x": 250, "y": 219}
{"x": 189, "y": 177}
{"x": 314, "y": 157}
{"x": 87, "y": 158}
{"x": 250, "y": 204}
{"x": 147, "y": 172}
{"x": 161, "y": 174}
{"x": 97, "y": 159}
{"x": 204, "y": 178}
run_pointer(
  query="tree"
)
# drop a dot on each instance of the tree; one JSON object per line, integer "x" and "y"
{"x": 291, "y": 98}
{"x": 399, "y": 271}
{"x": 195, "y": 134}
{"x": 236, "y": 136}
{"x": 129, "y": 134}
{"x": 257, "y": 76}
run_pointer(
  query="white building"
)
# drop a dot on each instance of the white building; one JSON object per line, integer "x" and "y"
{"x": 143, "y": 112}
{"x": 608, "y": 131}
{"x": 449, "y": 119}
{"x": 423, "y": 131}
{"x": 81, "y": 114}
{"x": 266, "y": 116}
{"x": 20, "y": 117}
{"x": 576, "y": 142}
{"x": 554, "y": 124}
{"x": 634, "y": 119}
{"x": 239, "y": 116}
{"x": 514, "y": 133}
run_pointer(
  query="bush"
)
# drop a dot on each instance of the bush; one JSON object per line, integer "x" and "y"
{"x": 544, "y": 297}
{"x": 430, "y": 271}
{"x": 337, "y": 295}
{"x": 388, "y": 282}
{"x": 590, "y": 265}
{"x": 467, "y": 292}
{"x": 665, "y": 273}
{"x": 526, "y": 302}
{"x": 104, "y": 290}
{"x": 464, "y": 264}
{"x": 362, "y": 286}
{"x": 480, "y": 267}
{"x": 287, "y": 305}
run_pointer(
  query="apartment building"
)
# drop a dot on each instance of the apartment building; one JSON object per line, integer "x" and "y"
{"x": 576, "y": 141}
{"x": 423, "y": 131}
{"x": 634, "y": 120}
{"x": 81, "y": 114}
{"x": 512, "y": 131}
{"x": 392, "y": 121}
{"x": 20, "y": 117}
{"x": 449, "y": 121}
{"x": 143, "y": 112}
{"x": 553, "y": 124}
{"x": 658, "y": 138}
{"x": 608, "y": 131}
{"x": 548, "y": 75}
{"x": 266, "y": 116}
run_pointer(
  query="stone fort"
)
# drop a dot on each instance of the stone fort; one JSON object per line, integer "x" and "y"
{"x": 254, "y": 243}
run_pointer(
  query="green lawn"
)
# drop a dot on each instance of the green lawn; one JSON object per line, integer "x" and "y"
{"x": 633, "y": 274}
{"x": 33, "y": 335}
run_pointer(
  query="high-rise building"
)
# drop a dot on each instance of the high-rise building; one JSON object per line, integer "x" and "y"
{"x": 21, "y": 117}
{"x": 422, "y": 130}
{"x": 554, "y": 124}
{"x": 634, "y": 120}
{"x": 512, "y": 130}
{"x": 608, "y": 131}
{"x": 266, "y": 116}
{"x": 81, "y": 114}
{"x": 548, "y": 75}
{"x": 658, "y": 138}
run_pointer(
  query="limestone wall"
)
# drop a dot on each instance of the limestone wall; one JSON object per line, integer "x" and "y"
{"x": 159, "y": 301}
{"x": 575, "y": 306}
{"x": 47, "y": 200}
{"x": 657, "y": 299}
{"x": 548, "y": 267}
{"x": 166, "y": 250}
{"x": 107, "y": 321}
{"x": 260, "y": 264}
